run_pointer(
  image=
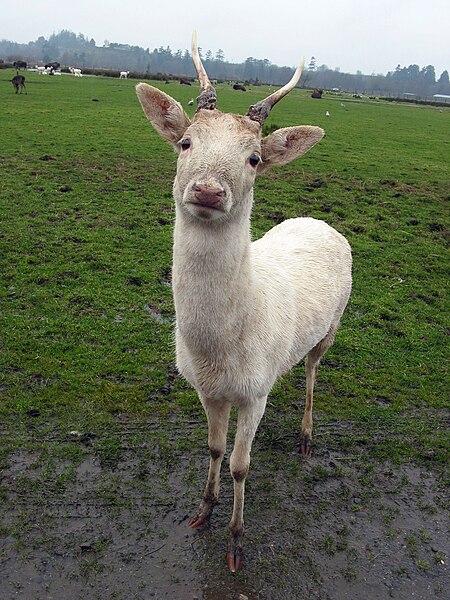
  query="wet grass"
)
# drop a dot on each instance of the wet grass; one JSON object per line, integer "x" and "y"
{"x": 87, "y": 379}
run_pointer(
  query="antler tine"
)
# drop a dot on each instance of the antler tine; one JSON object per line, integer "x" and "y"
{"x": 207, "y": 98}
{"x": 260, "y": 111}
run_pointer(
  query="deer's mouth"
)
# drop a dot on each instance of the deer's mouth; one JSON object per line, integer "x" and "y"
{"x": 207, "y": 206}
{"x": 205, "y": 211}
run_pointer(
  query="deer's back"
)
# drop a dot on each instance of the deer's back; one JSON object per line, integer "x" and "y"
{"x": 303, "y": 267}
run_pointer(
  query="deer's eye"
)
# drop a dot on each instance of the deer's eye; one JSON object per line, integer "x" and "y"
{"x": 185, "y": 143}
{"x": 254, "y": 159}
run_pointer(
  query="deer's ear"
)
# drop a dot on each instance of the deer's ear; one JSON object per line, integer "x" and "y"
{"x": 283, "y": 145}
{"x": 164, "y": 113}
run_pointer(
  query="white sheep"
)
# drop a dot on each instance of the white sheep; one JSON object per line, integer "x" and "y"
{"x": 76, "y": 72}
{"x": 124, "y": 74}
{"x": 246, "y": 312}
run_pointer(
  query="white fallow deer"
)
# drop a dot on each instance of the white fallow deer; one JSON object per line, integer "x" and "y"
{"x": 246, "y": 312}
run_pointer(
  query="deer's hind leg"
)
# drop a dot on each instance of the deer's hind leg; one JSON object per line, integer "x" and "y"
{"x": 312, "y": 366}
{"x": 218, "y": 414}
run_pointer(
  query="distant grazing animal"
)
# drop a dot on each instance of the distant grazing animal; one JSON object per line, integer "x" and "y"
{"x": 41, "y": 70}
{"x": 327, "y": 114}
{"x": 246, "y": 312}
{"x": 18, "y": 82}
{"x": 52, "y": 65}
{"x": 239, "y": 87}
{"x": 185, "y": 82}
{"x": 76, "y": 72}
{"x": 191, "y": 102}
{"x": 124, "y": 74}
{"x": 19, "y": 64}
{"x": 317, "y": 93}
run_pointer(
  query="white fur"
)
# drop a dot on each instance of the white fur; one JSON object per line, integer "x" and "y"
{"x": 260, "y": 308}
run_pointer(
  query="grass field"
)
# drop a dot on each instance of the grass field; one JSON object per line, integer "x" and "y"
{"x": 86, "y": 350}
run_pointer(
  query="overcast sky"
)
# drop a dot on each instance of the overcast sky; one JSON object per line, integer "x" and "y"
{"x": 366, "y": 35}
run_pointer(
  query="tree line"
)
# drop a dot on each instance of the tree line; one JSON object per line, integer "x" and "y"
{"x": 78, "y": 50}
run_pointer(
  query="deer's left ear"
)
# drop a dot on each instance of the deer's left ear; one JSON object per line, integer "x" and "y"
{"x": 283, "y": 145}
{"x": 164, "y": 113}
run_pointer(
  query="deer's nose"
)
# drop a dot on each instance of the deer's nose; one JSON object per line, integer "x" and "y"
{"x": 208, "y": 196}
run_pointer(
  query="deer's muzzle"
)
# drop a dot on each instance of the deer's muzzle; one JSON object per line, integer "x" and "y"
{"x": 208, "y": 196}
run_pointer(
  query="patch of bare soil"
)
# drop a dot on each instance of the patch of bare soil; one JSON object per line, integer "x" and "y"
{"x": 335, "y": 527}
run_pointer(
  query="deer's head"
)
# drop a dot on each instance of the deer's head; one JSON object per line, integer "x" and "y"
{"x": 220, "y": 154}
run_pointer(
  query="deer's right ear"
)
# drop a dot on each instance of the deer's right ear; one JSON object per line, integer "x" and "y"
{"x": 164, "y": 113}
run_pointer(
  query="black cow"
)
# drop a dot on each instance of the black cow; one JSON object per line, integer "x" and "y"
{"x": 185, "y": 82}
{"x": 52, "y": 65}
{"x": 239, "y": 87}
{"x": 317, "y": 93}
{"x": 18, "y": 81}
{"x": 19, "y": 64}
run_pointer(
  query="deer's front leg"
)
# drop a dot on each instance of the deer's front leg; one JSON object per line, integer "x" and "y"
{"x": 248, "y": 420}
{"x": 218, "y": 414}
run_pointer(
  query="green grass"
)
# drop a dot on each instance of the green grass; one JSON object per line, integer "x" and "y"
{"x": 85, "y": 249}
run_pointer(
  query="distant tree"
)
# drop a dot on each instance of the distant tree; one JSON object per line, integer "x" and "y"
{"x": 428, "y": 74}
{"x": 444, "y": 79}
{"x": 413, "y": 72}
{"x": 443, "y": 84}
{"x": 406, "y": 73}
{"x": 312, "y": 64}
{"x": 249, "y": 68}
{"x": 220, "y": 56}
{"x": 209, "y": 55}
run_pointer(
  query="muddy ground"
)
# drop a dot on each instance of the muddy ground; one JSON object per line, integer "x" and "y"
{"x": 104, "y": 515}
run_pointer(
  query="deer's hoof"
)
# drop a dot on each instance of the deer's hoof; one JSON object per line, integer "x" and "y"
{"x": 235, "y": 554}
{"x": 234, "y": 562}
{"x": 305, "y": 445}
{"x": 203, "y": 514}
{"x": 197, "y": 521}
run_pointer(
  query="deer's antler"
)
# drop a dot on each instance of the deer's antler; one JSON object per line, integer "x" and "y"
{"x": 260, "y": 111}
{"x": 207, "y": 98}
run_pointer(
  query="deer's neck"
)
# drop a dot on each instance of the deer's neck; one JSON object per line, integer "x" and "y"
{"x": 212, "y": 280}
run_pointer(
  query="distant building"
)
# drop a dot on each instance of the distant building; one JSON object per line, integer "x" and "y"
{"x": 442, "y": 97}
